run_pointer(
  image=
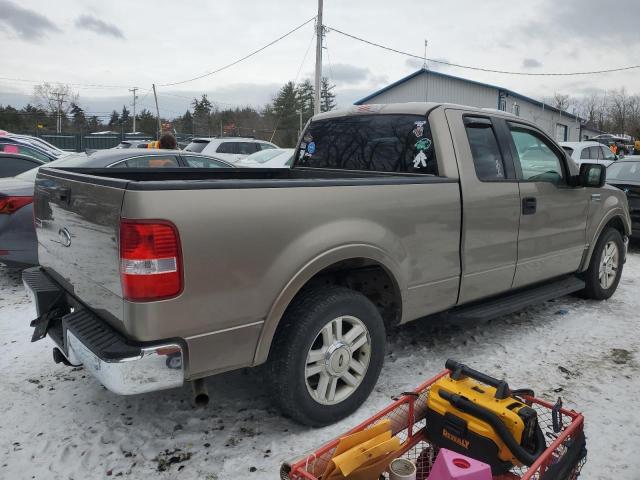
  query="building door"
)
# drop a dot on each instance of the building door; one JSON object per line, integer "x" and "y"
{"x": 561, "y": 132}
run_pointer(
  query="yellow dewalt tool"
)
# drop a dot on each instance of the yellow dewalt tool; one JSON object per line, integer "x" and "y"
{"x": 479, "y": 416}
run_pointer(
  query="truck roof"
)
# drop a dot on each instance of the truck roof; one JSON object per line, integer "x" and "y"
{"x": 409, "y": 108}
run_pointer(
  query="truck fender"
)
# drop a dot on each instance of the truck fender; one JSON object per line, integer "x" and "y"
{"x": 306, "y": 273}
{"x": 611, "y": 214}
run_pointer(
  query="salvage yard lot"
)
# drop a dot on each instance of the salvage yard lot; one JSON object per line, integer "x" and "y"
{"x": 58, "y": 422}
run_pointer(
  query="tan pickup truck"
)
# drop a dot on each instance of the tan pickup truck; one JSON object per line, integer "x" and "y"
{"x": 152, "y": 278}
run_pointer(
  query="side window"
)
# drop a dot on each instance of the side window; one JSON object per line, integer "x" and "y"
{"x": 156, "y": 161}
{"x": 537, "y": 158}
{"x": 247, "y": 148}
{"x": 586, "y": 153}
{"x": 606, "y": 153}
{"x": 226, "y": 147}
{"x": 10, "y": 167}
{"x": 265, "y": 146}
{"x": 203, "y": 162}
{"x": 380, "y": 143}
{"x": 487, "y": 158}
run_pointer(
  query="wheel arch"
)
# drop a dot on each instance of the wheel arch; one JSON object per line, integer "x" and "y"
{"x": 615, "y": 219}
{"x": 336, "y": 266}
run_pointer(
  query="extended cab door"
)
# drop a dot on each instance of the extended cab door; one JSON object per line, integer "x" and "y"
{"x": 553, "y": 214}
{"x": 490, "y": 205}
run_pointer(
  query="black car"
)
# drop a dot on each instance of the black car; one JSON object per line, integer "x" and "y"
{"x": 625, "y": 174}
{"x": 12, "y": 164}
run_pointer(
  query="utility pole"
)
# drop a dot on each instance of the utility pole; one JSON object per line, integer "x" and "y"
{"x": 59, "y": 100}
{"x": 155, "y": 96}
{"x": 319, "y": 34}
{"x": 133, "y": 90}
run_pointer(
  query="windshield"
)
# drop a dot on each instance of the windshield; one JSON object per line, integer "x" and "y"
{"x": 624, "y": 172}
{"x": 73, "y": 160}
{"x": 264, "y": 155}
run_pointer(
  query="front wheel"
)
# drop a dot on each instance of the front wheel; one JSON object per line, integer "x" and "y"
{"x": 327, "y": 355}
{"x": 605, "y": 268}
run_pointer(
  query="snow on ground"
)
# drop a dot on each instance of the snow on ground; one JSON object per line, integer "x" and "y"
{"x": 59, "y": 423}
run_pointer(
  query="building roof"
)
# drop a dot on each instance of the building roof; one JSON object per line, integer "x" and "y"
{"x": 474, "y": 82}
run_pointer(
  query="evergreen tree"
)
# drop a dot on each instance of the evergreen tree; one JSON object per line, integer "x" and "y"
{"x": 126, "y": 122}
{"x": 78, "y": 121}
{"x": 201, "y": 115}
{"x": 327, "y": 97}
{"x": 114, "y": 121}
{"x": 285, "y": 106}
{"x": 306, "y": 99}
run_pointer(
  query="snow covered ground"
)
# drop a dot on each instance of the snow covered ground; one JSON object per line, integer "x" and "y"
{"x": 59, "y": 423}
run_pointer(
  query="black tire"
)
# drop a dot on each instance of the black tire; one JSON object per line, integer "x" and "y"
{"x": 302, "y": 323}
{"x": 594, "y": 289}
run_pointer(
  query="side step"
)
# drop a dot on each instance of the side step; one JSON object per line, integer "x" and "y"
{"x": 515, "y": 301}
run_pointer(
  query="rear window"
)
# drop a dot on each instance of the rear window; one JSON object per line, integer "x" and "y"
{"x": 380, "y": 143}
{"x": 197, "y": 146}
{"x": 569, "y": 150}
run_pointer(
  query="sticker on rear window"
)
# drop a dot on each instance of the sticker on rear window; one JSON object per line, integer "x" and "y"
{"x": 418, "y": 129}
{"x": 311, "y": 148}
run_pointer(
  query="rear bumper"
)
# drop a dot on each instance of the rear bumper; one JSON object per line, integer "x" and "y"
{"x": 123, "y": 366}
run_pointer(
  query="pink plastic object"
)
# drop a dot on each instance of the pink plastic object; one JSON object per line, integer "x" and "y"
{"x": 11, "y": 148}
{"x": 453, "y": 466}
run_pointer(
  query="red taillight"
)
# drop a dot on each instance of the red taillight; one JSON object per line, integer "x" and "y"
{"x": 9, "y": 205}
{"x": 150, "y": 260}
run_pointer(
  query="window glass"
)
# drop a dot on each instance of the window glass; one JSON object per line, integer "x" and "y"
{"x": 247, "y": 148}
{"x": 196, "y": 146}
{"x": 487, "y": 158}
{"x": 156, "y": 161}
{"x": 586, "y": 153}
{"x": 24, "y": 150}
{"x": 204, "y": 162}
{"x": 569, "y": 150}
{"x": 382, "y": 143}
{"x": 624, "y": 171}
{"x": 10, "y": 166}
{"x": 265, "y": 146}
{"x": 606, "y": 153}
{"x": 226, "y": 147}
{"x": 264, "y": 155}
{"x": 538, "y": 161}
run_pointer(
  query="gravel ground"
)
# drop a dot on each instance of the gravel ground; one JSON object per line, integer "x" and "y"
{"x": 59, "y": 423}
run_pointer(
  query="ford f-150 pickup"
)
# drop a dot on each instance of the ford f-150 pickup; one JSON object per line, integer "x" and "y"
{"x": 390, "y": 213}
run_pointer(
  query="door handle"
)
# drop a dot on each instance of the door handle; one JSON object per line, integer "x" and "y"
{"x": 529, "y": 205}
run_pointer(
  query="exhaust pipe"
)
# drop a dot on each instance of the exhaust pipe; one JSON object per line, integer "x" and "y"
{"x": 200, "y": 394}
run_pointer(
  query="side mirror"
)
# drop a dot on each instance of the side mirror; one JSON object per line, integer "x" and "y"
{"x": 592, "y": 175}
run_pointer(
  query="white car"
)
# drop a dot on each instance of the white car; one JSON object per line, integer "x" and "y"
{"x": 272, "y": 158}
{"x": 230, "y": 149}
{"x": 589, "y": 152}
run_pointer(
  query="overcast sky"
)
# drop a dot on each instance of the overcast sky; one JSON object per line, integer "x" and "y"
{"x": 128, "y": 44}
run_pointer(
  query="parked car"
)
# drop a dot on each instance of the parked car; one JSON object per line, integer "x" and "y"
{"x": 271, "y": 158}
{"x": 623, "y": 144}
{"x": 12, "y": 164}
{"x": 230, "y": 149}
{"x": 18, "y": 245}
{"x": 42, "y": 143}
{"x": 625, "y": 174}
{"x": 23, "y": 147}
{"x": 132, "y": 144}
{"x": 389, "y": 213}
{"x": 589, "y": 152}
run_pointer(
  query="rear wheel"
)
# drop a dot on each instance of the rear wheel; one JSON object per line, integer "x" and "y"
{"x": 327, "y": 355}
{"x": 605, "y": 268}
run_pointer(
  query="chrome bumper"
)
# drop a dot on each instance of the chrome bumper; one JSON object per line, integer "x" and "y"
{"x": 156, "y": 368}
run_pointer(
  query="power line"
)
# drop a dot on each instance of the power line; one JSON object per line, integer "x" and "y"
{"x": 87, "y": 85}
{"x": 481, "y": 69}
{"x": 240, "y": 59}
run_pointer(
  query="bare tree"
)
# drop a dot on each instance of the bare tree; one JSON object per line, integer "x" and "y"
{"x": 619, "y": 110}
{"x": 561, "y": 101}
{"x": 56, "y": 98}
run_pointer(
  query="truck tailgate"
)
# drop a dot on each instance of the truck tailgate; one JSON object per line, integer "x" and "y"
{"x": 77, "y": 222}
